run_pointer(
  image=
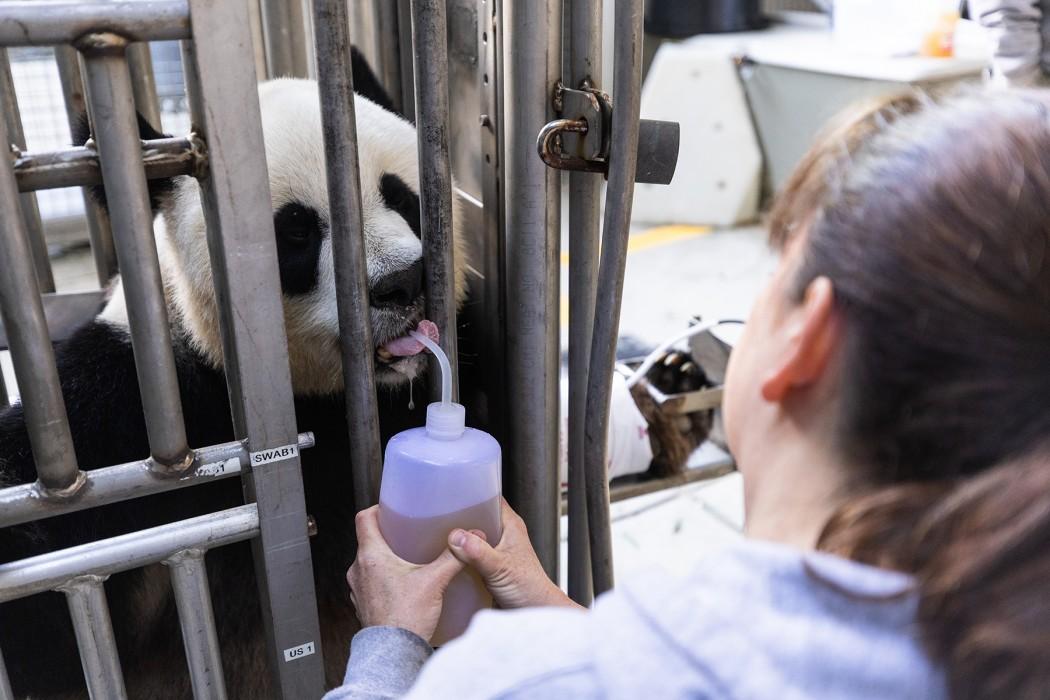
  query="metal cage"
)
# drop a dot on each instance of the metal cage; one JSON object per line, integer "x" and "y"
{"x": 502, "y": 60}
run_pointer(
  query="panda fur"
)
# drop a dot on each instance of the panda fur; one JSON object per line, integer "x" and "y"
{"x": 100, "y": 387}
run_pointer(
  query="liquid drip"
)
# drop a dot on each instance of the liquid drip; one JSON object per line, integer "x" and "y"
{"x": 411, "y": 396}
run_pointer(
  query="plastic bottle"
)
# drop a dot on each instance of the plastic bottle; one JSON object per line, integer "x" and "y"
{"x": 436, "y": 479}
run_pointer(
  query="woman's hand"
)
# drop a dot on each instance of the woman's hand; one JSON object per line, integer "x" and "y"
{"x": 387, "y": 590}
{"x": 511, "y": 571}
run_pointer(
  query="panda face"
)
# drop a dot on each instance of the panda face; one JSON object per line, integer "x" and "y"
{"x": 390, "y": 202}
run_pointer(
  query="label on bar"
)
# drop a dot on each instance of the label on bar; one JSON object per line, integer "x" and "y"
{"x": 275, "y": 454}
{"x": 230, "y": 466}
{"x": 299, "y": 651}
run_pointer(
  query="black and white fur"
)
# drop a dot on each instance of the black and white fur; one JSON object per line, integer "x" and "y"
{"x": 102, "y": 399}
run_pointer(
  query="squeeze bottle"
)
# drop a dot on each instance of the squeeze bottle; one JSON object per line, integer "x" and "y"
{"x": 435, "y": 479}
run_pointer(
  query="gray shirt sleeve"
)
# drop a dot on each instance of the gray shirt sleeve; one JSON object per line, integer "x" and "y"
{"x": 384, "y": 663}
{"x": 1016, "y": 31}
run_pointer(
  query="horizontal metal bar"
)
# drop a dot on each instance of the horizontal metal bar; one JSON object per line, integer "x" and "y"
{"x": 95, "y": 641}
{"x": 622, "y": 490}
{"x": 189, "y": 581}
{"x": 64, "y": 313}
{"x": 27, "y": 502}
{"x": 47, "y": 23}
{"x": 46, "y": 572}
{"x": 79, "y": 166}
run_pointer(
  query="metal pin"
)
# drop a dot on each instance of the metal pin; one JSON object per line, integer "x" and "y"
{"x": 95, "y": 641}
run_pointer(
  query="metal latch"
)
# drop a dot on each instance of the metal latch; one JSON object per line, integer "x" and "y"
{"x": 579, "y": 140}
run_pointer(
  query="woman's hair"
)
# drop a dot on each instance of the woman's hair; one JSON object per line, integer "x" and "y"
{"x": 932, "y": 222}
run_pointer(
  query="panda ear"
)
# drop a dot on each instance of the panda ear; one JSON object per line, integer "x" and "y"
{"x": 366, "y": 84}
{"x": 158, "y": 189}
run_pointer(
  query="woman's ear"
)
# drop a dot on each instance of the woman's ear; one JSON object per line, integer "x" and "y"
{"x": 811, "y": 333}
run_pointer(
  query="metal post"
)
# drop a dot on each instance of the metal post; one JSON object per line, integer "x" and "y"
{"x": 532, "y": 263}
{"x": 5, "y": 682}
{"x": 30, "y": 211}
{"x": 627, "y": 76}
{"x": 284, "y": 29}
{"x": 189, "y": 581}
{"x": 339, "y": 121}
{"x": 143, "y": 84}
{"x": 76, "y": 105}
{"x": 408, "y": 80}
{"x": 4, "y": 401}
{"x": 584, "y": 211}
{"x": 236, "y": 197}
{"x": 388, "y": 49}
{"x": 120, "y": 153}
{"x": 95, "y": 641}
{"x": 31, "y": 351}
{"x": 430, "y": 49}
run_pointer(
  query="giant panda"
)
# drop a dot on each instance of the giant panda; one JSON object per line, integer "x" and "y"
{"x": 101, "y": 392}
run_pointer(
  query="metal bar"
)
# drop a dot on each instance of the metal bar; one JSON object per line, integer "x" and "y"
{"x": 5, "y": 682}
{"x": 630, "y": 488}
{"x": 30, "y": 211}
{"x": 388, "y": 49}
{"x": 627, "y": 77}
{"x": 120, "y": 152}
{"x": 408, "y": 80}
{"x": 27, "y": 502}
{"x": 430, "y": 49}
{"x": 4, "y": 401}
{"x": 531, "y": 297}
{"x": 46, "y": 572}
{"x": 339, "y": 122}
{"x": 284, "y": 30}
{"x": 584, "y": 211}
{"x": 80, "y": 165}
{"x": 98, "y": 225}
{"x": 143, "y": 84}
{"x": 189, "y": 581}
{"x": 95, "y": 640}
{"x": 236, "y": 198}
{"x": 31, "y": 352}
{"x": 35, "y": 23}
{"x": 65, "y": 313}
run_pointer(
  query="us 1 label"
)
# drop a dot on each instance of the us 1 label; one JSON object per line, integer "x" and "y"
{"x": 299, "y": 651}
{"x": 230, "y": 466}
{"x": 275, "y": 454}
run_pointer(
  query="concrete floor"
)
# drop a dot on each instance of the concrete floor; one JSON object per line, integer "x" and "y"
{"x": 673, "y": 274}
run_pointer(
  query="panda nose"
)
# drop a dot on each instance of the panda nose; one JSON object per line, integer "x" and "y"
{"x": 399, "y": 288}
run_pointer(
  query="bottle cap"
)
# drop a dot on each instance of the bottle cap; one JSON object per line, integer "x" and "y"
{"x": 446, "y": 421}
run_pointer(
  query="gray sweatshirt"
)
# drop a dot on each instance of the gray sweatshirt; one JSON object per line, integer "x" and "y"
{"x": 1020, "y": 34}
{"x": 755, "y": 620}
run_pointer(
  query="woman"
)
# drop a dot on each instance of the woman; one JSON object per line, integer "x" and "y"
{"x": 889, "y": 410}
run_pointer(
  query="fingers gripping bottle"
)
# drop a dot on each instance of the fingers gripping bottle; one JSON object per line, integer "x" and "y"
{"x": 436, "y": 479}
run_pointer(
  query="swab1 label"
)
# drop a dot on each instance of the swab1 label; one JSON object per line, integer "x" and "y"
{"x": 275, "y": 454}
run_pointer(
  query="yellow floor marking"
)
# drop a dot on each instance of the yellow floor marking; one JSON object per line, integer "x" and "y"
{"x": 655, "y": 237}
{"x": 651, "y": 238}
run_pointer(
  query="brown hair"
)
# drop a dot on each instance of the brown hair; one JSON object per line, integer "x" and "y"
{"x": 932, "y": 222}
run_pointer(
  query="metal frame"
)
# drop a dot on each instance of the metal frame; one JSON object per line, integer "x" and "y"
{"x": 520, "y": 72}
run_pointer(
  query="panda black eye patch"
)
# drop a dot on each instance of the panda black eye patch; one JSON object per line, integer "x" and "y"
{"x": 398, "y": 197}
{"x": 299, "y": 237}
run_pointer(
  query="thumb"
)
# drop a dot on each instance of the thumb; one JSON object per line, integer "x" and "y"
{"x": 444, "y": 568}
{"x": 475, "y": 552}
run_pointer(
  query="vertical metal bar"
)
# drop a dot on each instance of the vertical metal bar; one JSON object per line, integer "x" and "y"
{"x": 5, "y": 682}
{"x": 430, "y": 49}
{"x": 584, "y": 211}
{"x": 143, "y": 84}
{"x": 189, "y": 581}
{"x": 258, "y": 39}
{"x": 284, "y": 29}
{"x": 31, "y": 352}
{"x": 408, "y": 80}
{"x": 532, "y": 260}
{"x": 627, "y": 76}
{"x": 389, "y": 49}
{"x": 4, "y": 401}
{"x": 30, "y": 211}
{"x": 98, "y": 225}
{"x": 94, "y": 630}
{"x": 339, "y": 122}
{"x": 236, "y": 197}
{"x": 120, "y": 152}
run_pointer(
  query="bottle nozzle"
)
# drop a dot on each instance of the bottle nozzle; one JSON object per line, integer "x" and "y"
{"x": 445, "y": 420}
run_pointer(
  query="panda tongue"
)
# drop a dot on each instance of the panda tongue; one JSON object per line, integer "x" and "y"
{"x": 407, "y": 345}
